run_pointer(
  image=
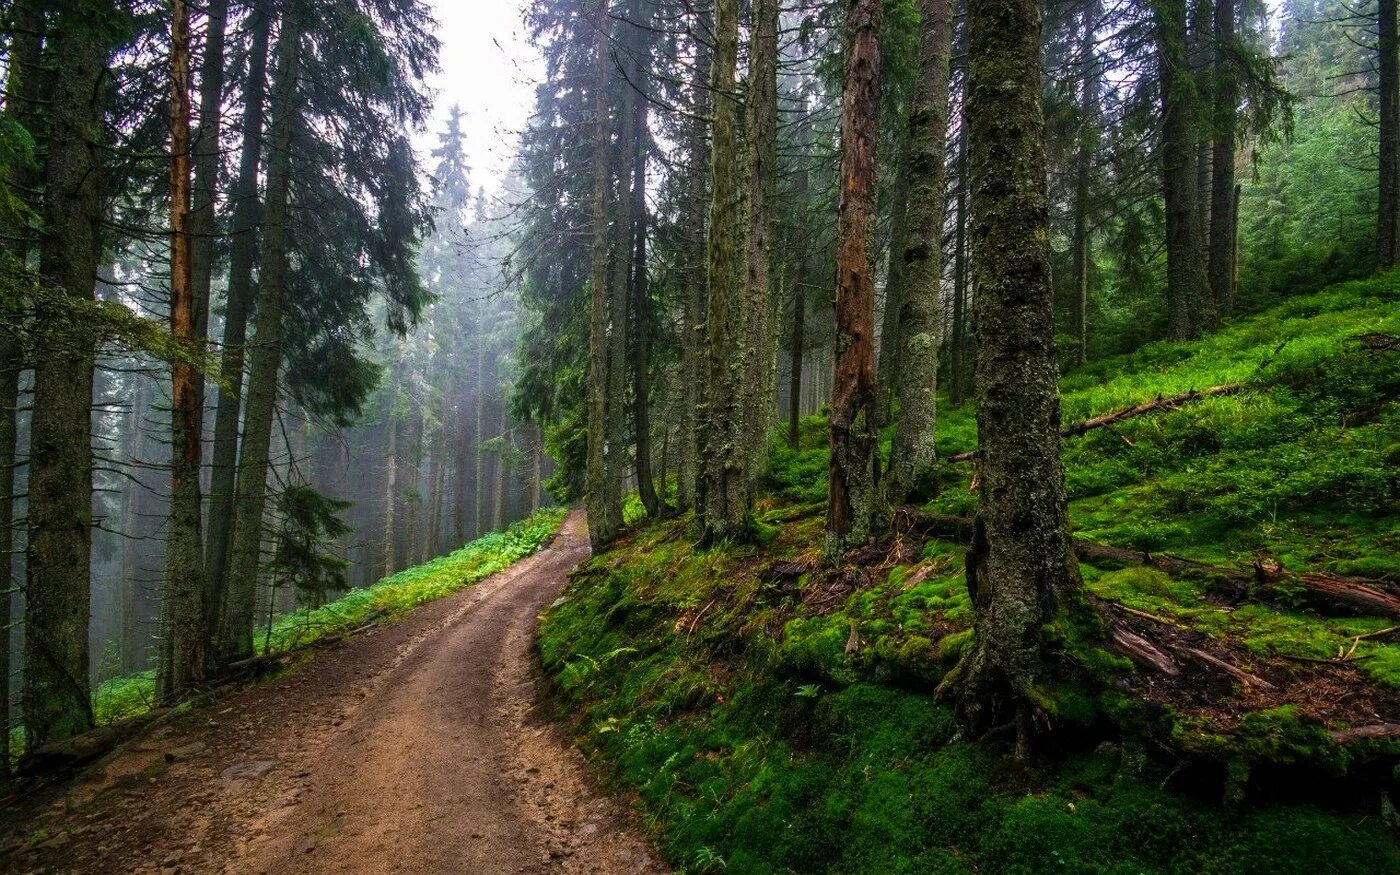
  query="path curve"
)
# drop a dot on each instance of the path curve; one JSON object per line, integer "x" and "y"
{"x": 414, "y": 748}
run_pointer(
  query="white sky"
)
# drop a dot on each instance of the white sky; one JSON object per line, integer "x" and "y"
{"x": 490, "y": 69}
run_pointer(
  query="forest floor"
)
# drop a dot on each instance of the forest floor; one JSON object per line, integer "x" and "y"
{"x": 415, "y": 748}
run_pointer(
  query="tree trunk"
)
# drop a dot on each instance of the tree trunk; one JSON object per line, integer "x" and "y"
{"x": 795, "y": 348}
{"x": 391, "y": 476}
{"x": 1081, "y": 244}
{"x": 723, "y": 499}
{"x": 205, "y": 149}
{"x": 761, "y": 114}
{"x": 693, "y": 327}
{"x": 184, "y": 560}
{"x": 243, "y": 254}
{"x": 1222, "y": 205}
{"x": 536, "y": 465}
{"x": 615, "y": 424}
{"x": 641, "y": 315}
{"x": 919, "y": 330}
{"x": 265, "y": 358}
{"x": 958, "y": 356}
{"x": 890, "y": 350}
{"x": 851, "y": 489}
{"x": 478, "y": 439}
{"x": 1020, "y": 568}
{"x": 1188, "y": 290}
{"x": 55, "y": 699}
{"x": 23, "y": 89}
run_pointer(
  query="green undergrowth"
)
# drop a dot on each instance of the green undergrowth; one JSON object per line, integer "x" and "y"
{"x": 394, "y": 595}
{"x": 769, "y": 721}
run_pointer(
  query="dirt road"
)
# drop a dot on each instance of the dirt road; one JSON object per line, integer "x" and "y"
{"x": 414, "y": 748}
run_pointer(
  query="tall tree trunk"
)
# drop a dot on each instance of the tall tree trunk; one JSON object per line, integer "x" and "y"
{"x": 615, "y": 426}
{"x": 919, "y": 329}
{"x": 958, "y": 355}
{"x": 851, "y": 486}
{"x": 205, "y": 149}
{"x": 641, "y": 315}
{"x": 1081, "y": 244}
{"x": 24, "y": 91}
{"x": 761, "y": 115}
{"x": 55, "y": 700}
{"x": 693, "y": 326}
{"x": 1222, "y": 205}
{"x": 1020, "y": 569}
{"x": 184, "y": 560}
{"x": 536, "y": 466}
{"x": 604, "y": 500}
{"x": 723, "y": 495}
{"x": 1188, "y": 290}
{"x": 265, "y": 358}
{"x": 1388, "y": 222}
{"x": 243, "y": 254}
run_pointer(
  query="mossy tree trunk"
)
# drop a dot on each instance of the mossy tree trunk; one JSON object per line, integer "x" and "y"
{"x": 1223, "y": 228}
{"x": 604, "y": 498}
{"x": 56, "y": 701}
{"x": 1020, "y": 569}
{"x": 641, "y": 311}
{"x": 265, "y": 358}
{"x": 693, "y": 325}
{"x": 761, "y": 115}
{"x": 919, "y": 333}
{"x": 723, "y": 485}
{"x": 183, "y": 607}
{"x": 1388, "y": 85}
{"x": 243, "y": 252}
{"x": 1188, "y": 292}
{"x": 851, "y": 478}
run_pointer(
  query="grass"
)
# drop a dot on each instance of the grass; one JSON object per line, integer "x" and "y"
{"x": 394, "y": 595}
{"x": 764, "y": 724}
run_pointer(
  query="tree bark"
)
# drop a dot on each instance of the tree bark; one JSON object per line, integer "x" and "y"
{"x": 641, "y": 315}
{"x": 761, "y": 114}
{"x": 1388, "y": 67}
{"x": 23, "y": 90}
{"x": 391, "y": 476}
{"x": 1188, "y": 292}
{"x": 919, "y": 330}
{"x": 205, "y": 150}
{"x": 183, "y": 599}
{"x": 243, "y": 254}
{"x": 693, "y": 327}
{"x": 1081, "y": 244}
{"x": 1020, "y": 568}
{"x": 603, "y": 498}
{"x": 55, "y": 700}
{"x": 265, "y": 358}
{"x": 1222, "y": 204}
{"x": 851, "y": 477}
{"x": 723, "y": 499}
{"x": 958, "y": 355}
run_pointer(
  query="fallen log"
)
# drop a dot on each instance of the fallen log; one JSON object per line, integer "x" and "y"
{"x": 1357, "y": 594}
{"x": 1379, "y": 730}
{"x": 1171, "y": 402}
{"x": 79, "y": 750}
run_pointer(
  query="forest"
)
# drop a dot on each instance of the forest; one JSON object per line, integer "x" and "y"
{"x": 862, "y": 436}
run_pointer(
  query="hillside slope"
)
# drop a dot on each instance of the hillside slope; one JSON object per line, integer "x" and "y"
{"x": 773, "y": 716}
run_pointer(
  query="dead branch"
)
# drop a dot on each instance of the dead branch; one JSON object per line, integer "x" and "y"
{"x": 1171, "y": 402}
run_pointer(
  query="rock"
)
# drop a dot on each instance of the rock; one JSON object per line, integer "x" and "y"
{"x": 184, "y": 752}
{"x": 248, "y": 771}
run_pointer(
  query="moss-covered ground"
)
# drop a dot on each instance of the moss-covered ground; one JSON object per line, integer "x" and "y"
{"x": 771, "y": 716}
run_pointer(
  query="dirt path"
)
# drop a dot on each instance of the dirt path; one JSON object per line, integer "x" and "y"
{"x": 413, "y": 748}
